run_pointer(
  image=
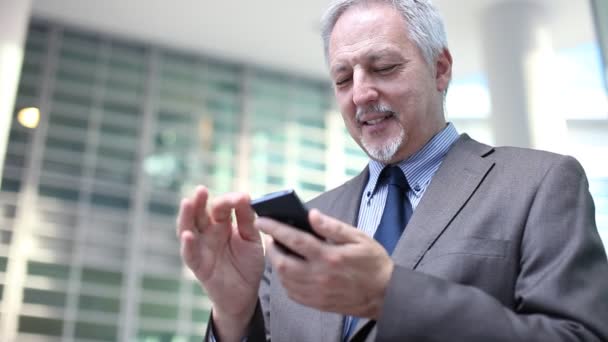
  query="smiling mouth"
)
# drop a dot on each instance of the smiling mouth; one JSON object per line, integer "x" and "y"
{"x": 376, "y": 121}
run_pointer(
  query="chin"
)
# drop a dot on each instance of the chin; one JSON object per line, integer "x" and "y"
{"x": 385, "y": 151}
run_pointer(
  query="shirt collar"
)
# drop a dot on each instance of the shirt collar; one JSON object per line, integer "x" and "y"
{"x": 420, "y": 167}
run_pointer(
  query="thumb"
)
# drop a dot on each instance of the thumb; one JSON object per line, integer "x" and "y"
{"x": 332, "y": 229}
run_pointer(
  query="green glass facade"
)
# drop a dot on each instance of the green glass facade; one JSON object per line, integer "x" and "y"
{"x": 89, "y": 197}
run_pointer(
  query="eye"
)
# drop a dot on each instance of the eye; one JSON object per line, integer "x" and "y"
{"x": 342, "y": 81}
{"x": 386, "y": 69}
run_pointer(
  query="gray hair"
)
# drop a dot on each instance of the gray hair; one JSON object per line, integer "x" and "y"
{"x": 424, "y": 24}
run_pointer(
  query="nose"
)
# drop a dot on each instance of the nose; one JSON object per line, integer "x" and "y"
{"x": 364, "y": 89}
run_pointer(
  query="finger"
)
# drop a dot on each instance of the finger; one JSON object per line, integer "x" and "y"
{"x": 201, "y": 218}
{"x": 289, "y": 267}
{"x": 221, "y": 208}
{"x": 189, "y": 250}
{"x": 185, "y": 217}
{"x": 245, "y": 217}
{"x": 332, "y": 229}
{"x": 302, "y": 243}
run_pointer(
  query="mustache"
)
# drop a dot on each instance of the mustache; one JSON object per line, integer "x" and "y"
{"x": 374, "y": 108}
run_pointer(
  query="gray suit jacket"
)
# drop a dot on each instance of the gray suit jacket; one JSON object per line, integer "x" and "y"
{"x": 502, "y": 247}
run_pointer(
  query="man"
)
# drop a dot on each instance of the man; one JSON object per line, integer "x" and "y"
{"x": 501, "y": 245}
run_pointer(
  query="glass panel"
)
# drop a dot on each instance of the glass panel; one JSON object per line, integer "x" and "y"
{"x": 94, "y": 303}
{"x": 50, "y": 298}
{"x": 3, "y": 263}
{"x": 200, "y": 315}
{"x": 59, "y": 193}
{"x": 162, "y": 311}
{"x": 110, "y": 201}
{"x": 95, "y": 331}
{"x": 62, "y": 167}
{"x": 81, "y": 122}
{"x": 50, "y": 270}
{"x": 116, "y": 153}
{"x": 18, "y": 135}
{"x": 98, "y": 276}
{"x": 10, "y": 185}
{"x": 42, "y": 326}
{"x": 74, "y": 146}
{"x": 160, "y": 284}
{"x": 162, "y": 208}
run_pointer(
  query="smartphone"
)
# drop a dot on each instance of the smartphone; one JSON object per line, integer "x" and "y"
{"x": 284, "y": 206}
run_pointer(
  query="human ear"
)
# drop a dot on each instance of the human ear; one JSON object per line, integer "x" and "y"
{"x": 443, "y": 70}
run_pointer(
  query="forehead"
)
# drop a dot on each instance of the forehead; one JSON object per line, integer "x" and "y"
{"x": 365, "y": 29}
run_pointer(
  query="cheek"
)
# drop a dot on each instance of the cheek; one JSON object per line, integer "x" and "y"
{"x": 348, "y": 111}
{"x": 345, "y": 103}
{"x": 350, "y": 123}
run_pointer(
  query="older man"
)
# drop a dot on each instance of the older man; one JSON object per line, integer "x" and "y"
{"x": 440, "y": 238}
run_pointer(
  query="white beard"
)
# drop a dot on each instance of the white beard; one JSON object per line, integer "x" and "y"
{"x": 386, "y": 151}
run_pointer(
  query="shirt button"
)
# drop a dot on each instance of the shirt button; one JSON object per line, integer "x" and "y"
{"x": 417, "y": 188}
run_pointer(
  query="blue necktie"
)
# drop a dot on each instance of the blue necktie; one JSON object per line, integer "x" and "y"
{"x": 397, "y": 212}
{"x": 397, "y": 209}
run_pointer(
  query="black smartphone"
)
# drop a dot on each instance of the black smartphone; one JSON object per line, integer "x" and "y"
{"x": 284, "y": 206}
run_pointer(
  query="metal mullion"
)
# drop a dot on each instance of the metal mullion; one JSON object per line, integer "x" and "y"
{"x": 86, "y": 188}
{"x": 129, "y": 305}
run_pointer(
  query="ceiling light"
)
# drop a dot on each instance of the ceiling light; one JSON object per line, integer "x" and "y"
{"x": 29, "y": 117}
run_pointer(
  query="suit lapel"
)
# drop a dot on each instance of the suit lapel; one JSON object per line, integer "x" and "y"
{"x": 459, "y": 175}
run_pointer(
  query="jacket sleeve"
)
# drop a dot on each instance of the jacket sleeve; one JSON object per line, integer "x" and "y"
{"x": 561, "y": 290}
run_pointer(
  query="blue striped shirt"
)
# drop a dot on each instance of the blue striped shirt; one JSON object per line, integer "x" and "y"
{"x": 418, "y": 169}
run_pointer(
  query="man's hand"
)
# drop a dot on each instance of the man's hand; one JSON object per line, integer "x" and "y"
{"x": 349, "y": 275}
{"x": 226, "y": 258}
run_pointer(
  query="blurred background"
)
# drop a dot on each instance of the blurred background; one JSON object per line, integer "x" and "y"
{"x": 111, "y": 111}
